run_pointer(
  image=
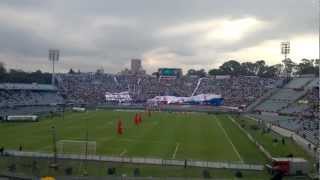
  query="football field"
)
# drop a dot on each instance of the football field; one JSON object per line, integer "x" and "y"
{"x": 192, "y": 136}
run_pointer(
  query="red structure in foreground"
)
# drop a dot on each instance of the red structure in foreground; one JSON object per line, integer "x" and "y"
{"x": 289, "y": 166}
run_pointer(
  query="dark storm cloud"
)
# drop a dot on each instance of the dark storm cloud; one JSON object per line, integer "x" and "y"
{"x": 109, "y": 33}
{"x": 21, "y": 41}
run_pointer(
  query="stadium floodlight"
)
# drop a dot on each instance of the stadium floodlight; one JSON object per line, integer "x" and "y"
{"x": 285, "y": 48}
{"x": 53, "y": 57}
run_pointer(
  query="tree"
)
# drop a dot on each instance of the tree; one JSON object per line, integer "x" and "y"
{"x": 155, "y": 74}
{"x": 248, "y": 68}
{"x": 231, "y": 67}
{"x": 199, "y": 73}
{"x": 100, "y": 71}
{"x": 71, "y": 71}
{"x": 307, "y": 67}
{"x": 269, "y": 72}
{"x": 191, "y": 72}
{"x": 260, "y": 67}
{"x": 202, "y": 73}
{"x": 16, "y": 75}
{"x": 215, "y": 72}
{"x": 279, "y": 68}
{"x": 2, "y": 69}
{"x": 288, "y": 66}
{"x": 317, "y": 65}
{"x": 19, "y": 76}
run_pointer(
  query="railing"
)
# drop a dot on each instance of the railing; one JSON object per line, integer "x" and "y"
{"x": 139, "y": 160}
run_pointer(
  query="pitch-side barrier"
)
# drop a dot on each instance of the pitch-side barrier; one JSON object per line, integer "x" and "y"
{"x": 140, "y": 160}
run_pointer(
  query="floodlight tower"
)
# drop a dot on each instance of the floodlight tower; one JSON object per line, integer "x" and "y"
{"x": 285, "y": 49}
{"x": 53, "y": 57}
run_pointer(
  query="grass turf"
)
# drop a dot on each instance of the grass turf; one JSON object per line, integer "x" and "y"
{"x": 197, "y": 136}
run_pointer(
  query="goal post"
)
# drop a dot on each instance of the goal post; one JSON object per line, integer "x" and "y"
{"x": 76, "y": 147}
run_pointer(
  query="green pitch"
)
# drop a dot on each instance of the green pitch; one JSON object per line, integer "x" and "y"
{"x": 197, "y": 136}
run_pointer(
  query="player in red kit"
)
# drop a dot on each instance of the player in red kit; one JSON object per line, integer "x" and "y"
{"x": 139, "y": 118}
{"x": 120, "y": 127}
{"x": 136, "y": 119}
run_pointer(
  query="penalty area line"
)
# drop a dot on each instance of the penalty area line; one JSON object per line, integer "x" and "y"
{"x": 175, "y": 151}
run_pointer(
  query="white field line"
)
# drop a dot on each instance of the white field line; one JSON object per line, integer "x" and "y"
{"x": 230, "y": 141}
{"x": 231, "y": 118}
{"x": 261, "y": 148}
{"x": 175, "y": 151}
{"x": 241, "y": 128}
{"x": 123, "y": 152}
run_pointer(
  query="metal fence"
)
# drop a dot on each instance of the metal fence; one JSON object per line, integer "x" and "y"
{"x": 140, "y": 160}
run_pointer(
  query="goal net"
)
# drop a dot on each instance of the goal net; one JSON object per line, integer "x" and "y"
{"x": 76, "y": 147}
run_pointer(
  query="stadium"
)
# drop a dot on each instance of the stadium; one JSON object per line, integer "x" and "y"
{"x": 159, "y": 90}
{"x": 219, "y": 126}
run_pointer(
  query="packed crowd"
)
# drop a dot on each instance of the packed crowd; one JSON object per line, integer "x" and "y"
{"x": 238, "y": 91}
{"x": 12, "y": 98}
{"x": 91, "y": 88}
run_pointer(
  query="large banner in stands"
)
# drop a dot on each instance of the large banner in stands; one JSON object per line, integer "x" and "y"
{"x": 206, "y": 99}
{"x": 118, "y": 97}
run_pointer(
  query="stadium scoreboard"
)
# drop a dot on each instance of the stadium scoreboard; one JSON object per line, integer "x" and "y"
{"x": 170, "y": 72}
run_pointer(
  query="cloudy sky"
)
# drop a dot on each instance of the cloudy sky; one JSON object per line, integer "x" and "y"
{"x": 165, "y": 33}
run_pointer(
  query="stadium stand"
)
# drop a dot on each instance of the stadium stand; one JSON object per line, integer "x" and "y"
{"x": 292, "y": 106}
{"x": 299, "y": 82}
{"x": 295, "y": 107}
{"x": 305, "y": 127}
{"x": 284, "y": 98}
{"x": 91, "y": 88}
{"x": 28, "y": 98}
